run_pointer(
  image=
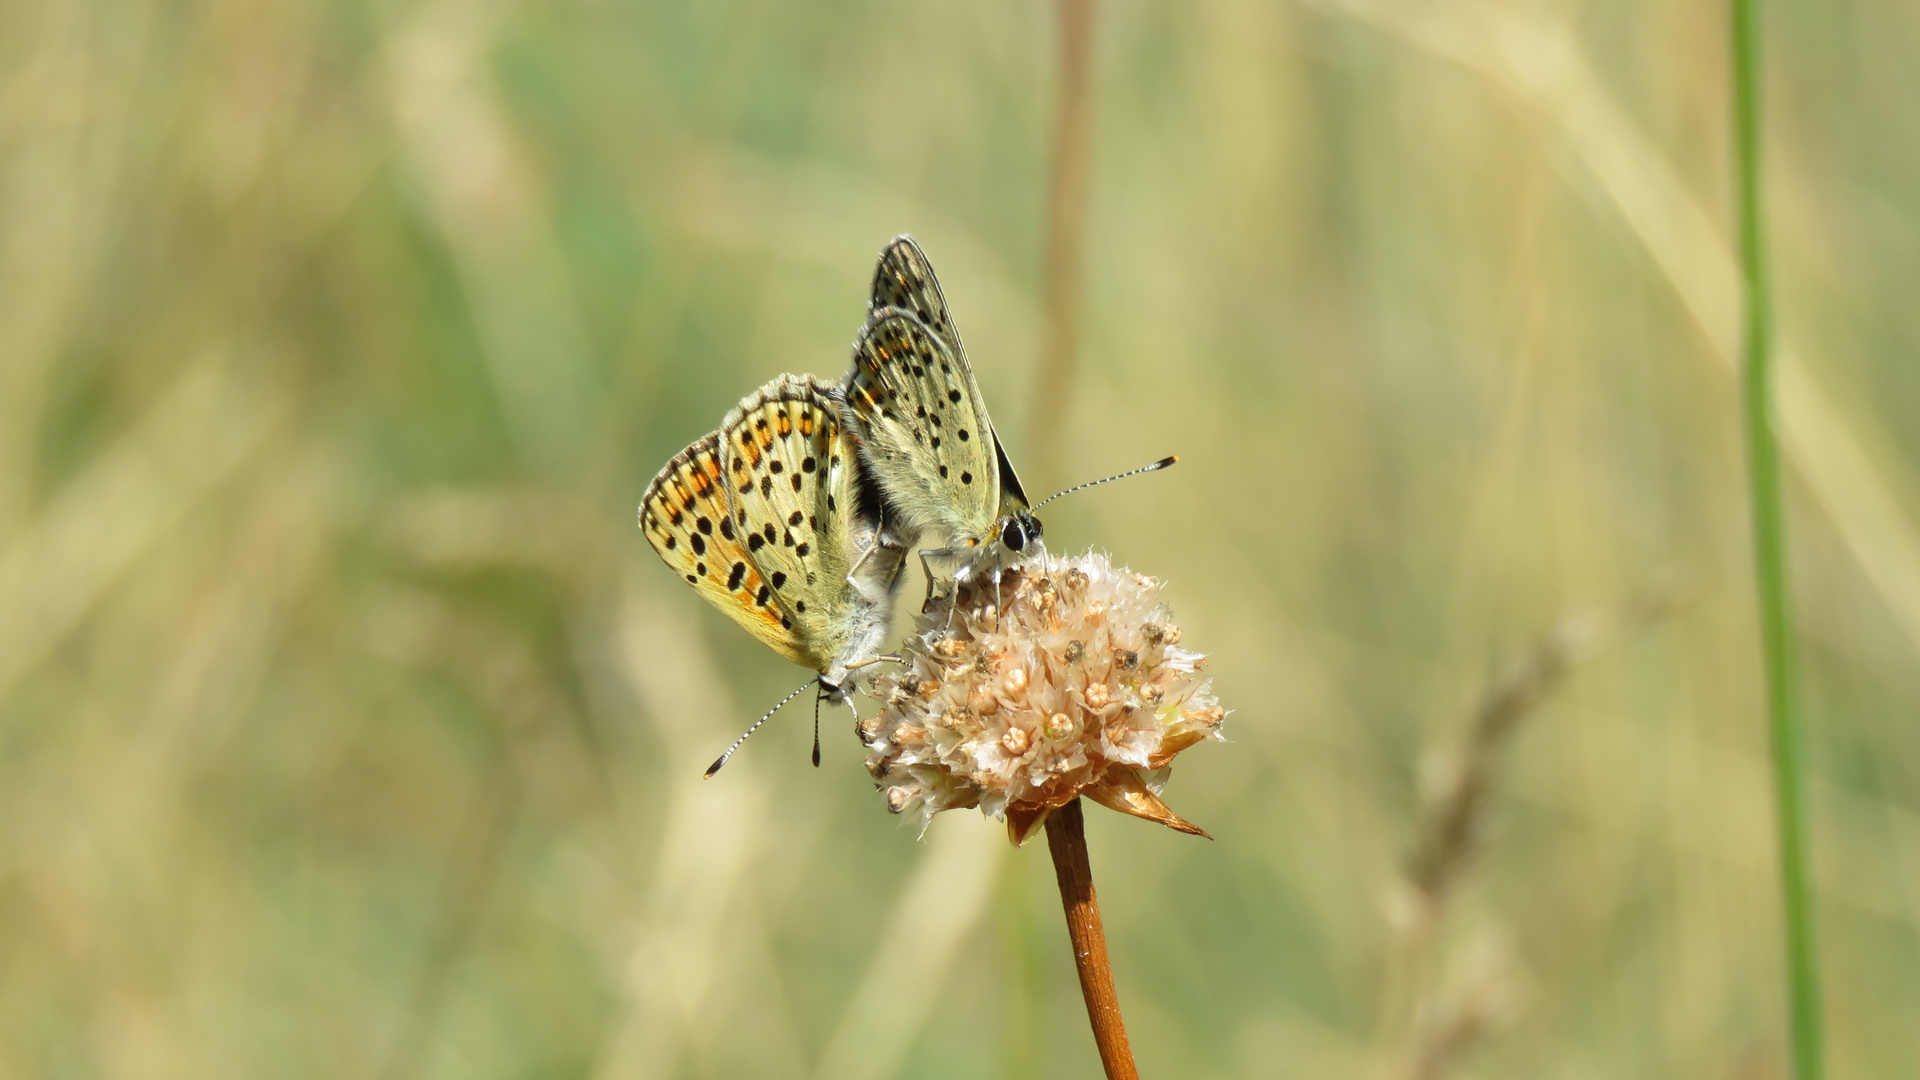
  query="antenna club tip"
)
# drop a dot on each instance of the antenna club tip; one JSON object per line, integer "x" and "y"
{"x": 714, "y": 768}
{"x": 1167, "y": 462}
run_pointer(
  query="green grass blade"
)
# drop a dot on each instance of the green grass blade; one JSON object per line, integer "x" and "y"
{"x": 1770, "y": 561}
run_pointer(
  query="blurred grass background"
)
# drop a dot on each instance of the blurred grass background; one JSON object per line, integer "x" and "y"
{"x": 348, "y": 727}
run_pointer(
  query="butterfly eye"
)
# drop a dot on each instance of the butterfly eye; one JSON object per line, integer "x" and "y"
{"x": 1013, "y": 536}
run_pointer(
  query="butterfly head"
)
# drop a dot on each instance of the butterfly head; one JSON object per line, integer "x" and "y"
{"x": 1020, "y": 530}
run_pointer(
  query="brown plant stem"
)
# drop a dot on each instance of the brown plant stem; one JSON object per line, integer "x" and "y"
{"x": 1067, "y": 842}
{"x": 1067, "y": 182}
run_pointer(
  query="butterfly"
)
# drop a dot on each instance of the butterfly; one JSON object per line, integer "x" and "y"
{"x": 771, "y": 520}
{"x": 921, "y": 422}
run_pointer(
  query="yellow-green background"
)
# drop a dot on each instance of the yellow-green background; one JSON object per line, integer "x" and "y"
{"x": 348, "y": 727}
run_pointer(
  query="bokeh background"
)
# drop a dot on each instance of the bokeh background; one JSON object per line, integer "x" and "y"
{"x": 349, "y": 728}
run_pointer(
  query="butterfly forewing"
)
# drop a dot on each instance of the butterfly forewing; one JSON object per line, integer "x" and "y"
{"x": 904, "y": 279}
{"x": 687, "y": 518}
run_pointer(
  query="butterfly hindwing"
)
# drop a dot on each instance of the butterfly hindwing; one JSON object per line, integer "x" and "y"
{"x": 923, "y": 428}
{"x": 783, "y": 456}
{"x": 687, "y": 518}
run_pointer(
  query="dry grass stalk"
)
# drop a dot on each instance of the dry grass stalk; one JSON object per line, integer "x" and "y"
{"x": 1067, "y": 183}
{"x": 1483, "y": 1001}
{"x": 1450, "y": 833}
{"x": 1451, "y": 830}
{"x": 1447, "y": 1023}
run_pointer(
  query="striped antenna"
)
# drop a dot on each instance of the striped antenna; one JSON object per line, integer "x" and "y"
{"x": 1163, "y": 463}
{"x": 722, "y": 759}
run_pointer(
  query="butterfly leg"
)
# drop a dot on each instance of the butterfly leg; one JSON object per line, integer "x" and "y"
{"x": 927, "y": 555}
{"x": 926, "y": 570}
{"x": 959, "y": 575}
{"x": 864, "y": 555}
{"x": 877, "y": 593}
{"x": 877, "y": 542}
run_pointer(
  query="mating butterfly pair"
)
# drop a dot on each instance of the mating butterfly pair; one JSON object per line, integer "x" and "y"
{"x": 796, "y": 516}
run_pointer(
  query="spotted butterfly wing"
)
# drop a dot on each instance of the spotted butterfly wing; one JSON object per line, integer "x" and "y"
{"x": 687, "y": 518}
{"x": 769, "y": 520}
{"x": 810, "y": 523}
{"x": 903, "y": 279}
{"x": 917, "y": 411}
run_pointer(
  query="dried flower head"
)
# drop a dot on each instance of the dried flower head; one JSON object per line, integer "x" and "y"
{"x": 1063, "y": 679}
